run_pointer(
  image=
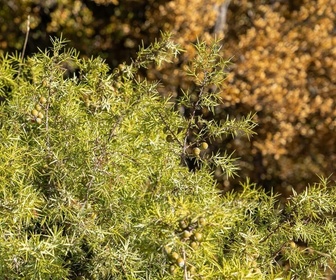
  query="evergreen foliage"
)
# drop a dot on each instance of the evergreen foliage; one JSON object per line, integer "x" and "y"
{"x": 96, "y": 181}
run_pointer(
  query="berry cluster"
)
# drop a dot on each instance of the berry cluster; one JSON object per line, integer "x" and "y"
{"x": 36, "y": 113}
{"x": 197, "y": 150}
{"x": 190, "y": 233}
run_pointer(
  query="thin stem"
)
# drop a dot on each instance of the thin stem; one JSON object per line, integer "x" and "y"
{"x": 195, "y": 106}
{"x": 25, "y": 42}
{"x": 169, "y": 129}
{"x": 185, "y": 274}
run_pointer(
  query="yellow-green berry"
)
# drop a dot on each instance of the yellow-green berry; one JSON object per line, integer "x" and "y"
{"x": 43, "y": 100}
{"x": 175, "y": 255}
{"x": 192, "y": 270}
{"x": 197, "y": 236}
{"x": 186, "y": 234}
{"x": 194, "y": 245}
{"x": 180, "y": 262}
{"x": 168, "y": 249}
{"x": 292, "y": 244}
{"x": 34, "y": 113}
{"x": 197, "y": 151}
{"x": 183, "y": 224}
{"x": 204, "y": 145}
{"x": 172, "y": 269}
{"x": 201, "y": 222}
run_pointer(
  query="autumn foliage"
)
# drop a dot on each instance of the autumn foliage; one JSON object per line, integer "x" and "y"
{"x": 283, "y": 69}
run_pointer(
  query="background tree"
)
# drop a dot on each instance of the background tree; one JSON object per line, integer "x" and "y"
{"x": 284, "y": 57}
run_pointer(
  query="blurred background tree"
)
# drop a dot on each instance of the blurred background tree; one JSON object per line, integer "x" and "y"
{"x": 283, "y": 67}
{"x": 284, "y": 56}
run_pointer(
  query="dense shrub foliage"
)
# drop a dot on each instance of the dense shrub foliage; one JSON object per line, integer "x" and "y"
{"x": 101, "y": 178}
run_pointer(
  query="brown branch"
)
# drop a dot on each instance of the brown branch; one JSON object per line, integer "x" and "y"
{"x": 221, "y": 18}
